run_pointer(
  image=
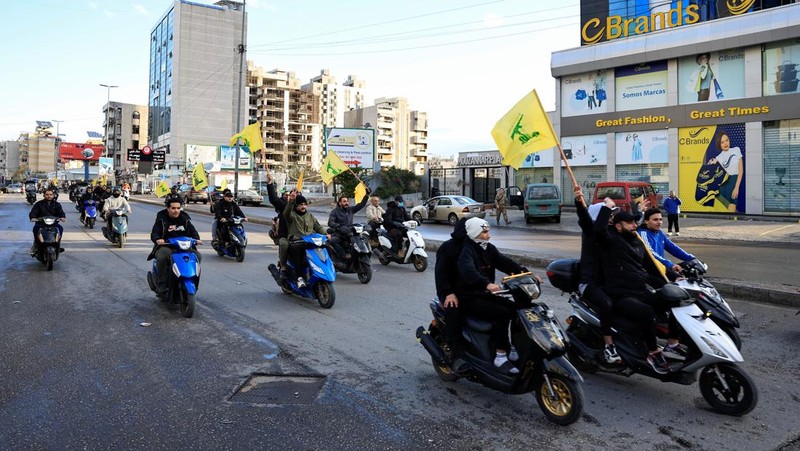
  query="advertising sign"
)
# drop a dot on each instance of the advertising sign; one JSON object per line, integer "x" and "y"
{"x": 79, "y": 151}
{"x": 641, "y": 86}
{"x": 201, "y": 153}
{"x": 355, "y": 146}
{"x": 781, "y": 66}
{"x": 642, "y": 147}
{"x": 541, "y": 159}
{"x": 106, "y": 167}
{"x": 584, "y": 93}
{"x": 227, "y": 158}
{"x": 711, "y": 168}
{"x": 711, "y": 76}
{"x": 591, "y": 150}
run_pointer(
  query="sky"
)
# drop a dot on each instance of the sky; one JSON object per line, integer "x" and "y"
{"x": 465, "y": 63}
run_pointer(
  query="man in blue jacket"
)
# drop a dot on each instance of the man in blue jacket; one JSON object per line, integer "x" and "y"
{"x": 657, "y": 240}
{"x": 673, "y": 206}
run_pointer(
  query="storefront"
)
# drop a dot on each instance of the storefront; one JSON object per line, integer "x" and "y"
{"x": 482, "y": 174}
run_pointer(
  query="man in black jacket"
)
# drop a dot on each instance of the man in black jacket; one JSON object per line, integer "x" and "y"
{"x": 173, "y": 195}
{"x": 279, "y": 203}
{"x": 225, "y": 209}
{"x": 87, "y": 195}
{"x": 446, "y": 275}
{"x": 395, "y": 214}
{"x": 46, "y": 207}
{"x": 170, "y": 223}
{"x": 340, "y": 220}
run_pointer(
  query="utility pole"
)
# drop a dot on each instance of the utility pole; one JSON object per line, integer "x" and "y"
{"x": 58, "y": 147}
{"x": 108, "y": 107}
{"x": 239, "y": 109}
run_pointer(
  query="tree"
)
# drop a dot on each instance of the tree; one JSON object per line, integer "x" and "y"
{"x": 21, "y": 174}
{"x": 394, "y": 181}
{"x": 347, "y": 181}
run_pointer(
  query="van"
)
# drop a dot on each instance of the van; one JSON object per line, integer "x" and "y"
{"x": 625, "y": 193}
{"x": 542, "y": 200}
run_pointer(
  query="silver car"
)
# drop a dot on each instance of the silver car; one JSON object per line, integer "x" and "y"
{"x": 449, "y": 209}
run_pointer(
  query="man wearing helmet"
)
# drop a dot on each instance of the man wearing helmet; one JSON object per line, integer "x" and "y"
{"x": 395, "y": 214}
{"x": 115, "y": 202}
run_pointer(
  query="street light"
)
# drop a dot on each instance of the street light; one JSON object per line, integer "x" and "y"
{"x": 108, "y": 107}
{"x": 58, "y": 140}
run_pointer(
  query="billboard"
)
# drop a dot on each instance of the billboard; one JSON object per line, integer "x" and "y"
{"x": 75, "y": 151}
{"x": 201, "y": 153}
{"x": 711, "y": 168}
{"x": 642, "y": 147}
{"x": 106, "y": 167}
{"x": 711, "y": 76}
{"x": 355, "y": 146}
{"x": 584, "y": 93}
{"x": 227, "y": 158}
{"x": 590, "y": 150}
{"x": 781, "y": 64}
{"x": 641, "y": 86}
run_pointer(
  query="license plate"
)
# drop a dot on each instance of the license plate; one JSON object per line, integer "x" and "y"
{"x": 476, "y": 209}
{"x": 543, "y": 207}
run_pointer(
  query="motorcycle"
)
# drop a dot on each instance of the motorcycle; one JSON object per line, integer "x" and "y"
{"x": 47, "y": 241}
{"x": 232, "y": 242}
{"x": 184, "y": 278}
{"x": 89, "y": 213}
{"x": 359, "y": 261}
{"x": 411, "y": 251}
{"x": 540, "y": 342}
{"x": 319, "y": 276}
{"x": 708, "y": 300}
{"x": 30, "y": 196}
{"x": 711, "y": 352}
{"x": 117, "y": 229}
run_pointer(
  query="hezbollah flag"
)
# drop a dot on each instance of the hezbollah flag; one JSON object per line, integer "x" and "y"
{"x": 199, "y": 179}
{"x": 162, "y": 189}
{"x": 332, "y": 166}
{"x": 251, "y": 135}
{"x": 224, "y": 185}
{"x": 524, "y": 130}
{"x": 361, "y": 191}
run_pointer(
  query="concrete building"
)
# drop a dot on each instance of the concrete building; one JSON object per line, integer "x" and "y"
{"x": 9, "y": 158}
{"x": 37, "y": 151}
{"x": 289, "y": 125}
{"x": 400, "y": 134}
{"x": 194, "y": 79}
{"x": 126, "y": 129}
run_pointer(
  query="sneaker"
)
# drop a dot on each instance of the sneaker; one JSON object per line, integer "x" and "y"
{"x": 669, "y": 233}
{"x": 513, "y": 355}
{"x": 610, "y": 353}
{"x": 677, "y": 234}
{"x": 301, "y": 283}
{"x": 658, "y": 363}
{"x": 675, "y": 352}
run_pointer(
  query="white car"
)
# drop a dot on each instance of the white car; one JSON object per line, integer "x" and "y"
{"x": 448, "y": 209}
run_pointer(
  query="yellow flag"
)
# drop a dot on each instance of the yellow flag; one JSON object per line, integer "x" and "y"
{"x": 300, "y": 182}
{"x": 199, "y": 179}
{"x": 361, "y": 191}
{"x": 94, "y": 182}
{"x": 162, "y": 189}
{"x": 332, "y": 166}
{"x": 524, "y": 130}
{"x": 251, "y": 135}
{"x": 224, "y": 184}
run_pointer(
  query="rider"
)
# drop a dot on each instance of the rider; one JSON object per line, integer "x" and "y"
{"x": 173, "y": 195}
{"x": 279, "y": 203}
{"x": 225, "y": 209}
{"x": 476, "y": 269}
{"x": 375, "y": 216}
{"x": 87, "y": 196}
{"x": 46, "y": 207}
{"x": 300, "y": 222}
{"x": 657, "y": 241}
{"x": 170, "y": 223}
{"x": 395, "y": 214}
{"x": 340, "y": 220}
{"x": 115, "y": 202}
{"x": 446, "y": 275}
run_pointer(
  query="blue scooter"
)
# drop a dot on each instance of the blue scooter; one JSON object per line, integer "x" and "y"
{"x": 183, "y": 280}
{"x": 89, "y": 213}
{"x": 117, "y": 230}
{"x": 319, "y": 276}
{"x": 233, "y": 242}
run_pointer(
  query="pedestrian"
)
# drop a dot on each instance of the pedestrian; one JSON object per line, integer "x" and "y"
{"x": 673, "y": 206}
{"x": 500, "y": 205}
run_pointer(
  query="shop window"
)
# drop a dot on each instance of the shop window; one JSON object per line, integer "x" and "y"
{"x": 782, "y": 166}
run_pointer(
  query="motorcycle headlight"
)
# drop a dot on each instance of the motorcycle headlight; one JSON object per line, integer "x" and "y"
{"x": 184, "y": 245}
{"x": 359, "y": 229}
{"x": 317, "y": 241}
{"x": 49, "y": 221}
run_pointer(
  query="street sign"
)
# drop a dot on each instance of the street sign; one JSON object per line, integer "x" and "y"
{"x": 147, "y": 150}
{"x": 134, "y": 154}
{"x": 159, "y": 156}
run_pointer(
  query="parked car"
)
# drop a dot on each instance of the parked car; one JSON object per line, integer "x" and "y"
{"x": 14, "y": 188}
{"x": 197, "y": 196}
{"x": 542, "y": 200}
{"x": 247, "y": 196}
{"x": 625, "y": 193}
{"x": 449, "y": 209}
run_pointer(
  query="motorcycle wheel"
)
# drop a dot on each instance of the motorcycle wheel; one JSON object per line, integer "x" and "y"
{"x": 187, "y": 303}
{"x": 324, "y": 293}
{"x": 239, "y": 254}
{"x": 420, "y": 263}
{"x": 566, "y": 405}
{"x": 121, "y": 240}
{"x": 739, "y": 398}
{"x": 384, "y": 259}
{"x": 417, "y": 217}
{"x": 733, "y": 333}
{"x": 48, "y": 260}
{"x": 444, "y": 372}
{"x": 91, "y": 223}
{"x": 151, "y": 281}
{"x": 366, "y": 275}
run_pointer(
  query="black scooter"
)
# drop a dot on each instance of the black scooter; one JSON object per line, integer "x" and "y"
{"x": 30, "y": 196}
{"x": 48, "y": 245}
{"x": 540, "y": 342}
{"x": 357, "y": 246}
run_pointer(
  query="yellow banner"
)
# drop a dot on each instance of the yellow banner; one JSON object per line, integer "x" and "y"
{"x": 300, "y": 182}
{"x": 332, "y": 166}
{"x": 524, "y": 130}
{"x": 199, "y": 178}
{"x": 251, "y": 135}
{"x": 162, "y": 189}
{"x": 224, "y": 185}
{"x": 361, "y": 191}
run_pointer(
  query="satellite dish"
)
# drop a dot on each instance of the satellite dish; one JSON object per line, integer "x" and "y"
{"x": 87, "y": 153}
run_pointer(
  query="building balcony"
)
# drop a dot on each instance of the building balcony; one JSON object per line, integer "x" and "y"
{"x": 420, "y": 153}
{"x": 384, "y": 151}
{"x": 419, "y": 139}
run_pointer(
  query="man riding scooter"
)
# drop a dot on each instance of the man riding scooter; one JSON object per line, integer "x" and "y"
{"x": 223, "y": 212}
{"x": 340, "y": 220}
{"x": 87, "y": 196}
{"x": 47, "y": 207}
{"x": 115, "y": 202}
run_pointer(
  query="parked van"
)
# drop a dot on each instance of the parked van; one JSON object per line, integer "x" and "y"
{"x": 542, "y": 200}
{"x": 624, "y": 193}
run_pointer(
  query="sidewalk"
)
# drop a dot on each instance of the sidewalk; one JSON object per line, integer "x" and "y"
{"x": 692, "y": 229}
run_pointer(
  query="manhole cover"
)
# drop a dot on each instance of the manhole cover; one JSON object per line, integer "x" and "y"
{"x": 279, "y": 389}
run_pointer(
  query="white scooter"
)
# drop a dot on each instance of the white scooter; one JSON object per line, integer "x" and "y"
{"x": 411, "y": 251}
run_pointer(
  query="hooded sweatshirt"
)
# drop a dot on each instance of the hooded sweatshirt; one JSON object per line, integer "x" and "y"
{"x": 446, "y": 272}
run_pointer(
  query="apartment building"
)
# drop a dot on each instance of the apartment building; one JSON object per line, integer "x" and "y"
{"x": 126, "y": 129}
{"x": 9, "y": 158}
{"x": 332, "y": 100}
{"x": 37, "y": 151}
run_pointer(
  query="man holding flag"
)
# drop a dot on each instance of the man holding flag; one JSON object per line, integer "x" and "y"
{"x": 340, "y": 219}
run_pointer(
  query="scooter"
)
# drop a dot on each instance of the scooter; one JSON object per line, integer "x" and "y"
{"x": 540, "y": 342}
{"x": 360, "y": 253}
{"x": 411, "y": 251}
{"x": 89, "y": 213}
{"x": 117, "y": 229}
{"x": 47, "y": 242}
{"x": 234, "y": 242}
{"x": 319, "y": 274}
{"x": 30, "y": 196}
{"x": 711, "y": 352}
{"x": 183, "y": 280}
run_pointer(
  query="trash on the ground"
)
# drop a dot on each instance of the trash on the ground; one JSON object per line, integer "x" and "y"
{"x": 145, "y": 324}
{"x": 17, "y": 302}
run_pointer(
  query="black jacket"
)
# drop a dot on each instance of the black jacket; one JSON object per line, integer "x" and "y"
{"x": 590, "y": 258}
{"x": 166, "y": 227}
{"x": 344, "y": 216}
{"x": 625, "y": 265}
{"x": 476, "y": 267}
{"x": 87, "y": 196}
{"x": 227, "y": 210}
{"x": 279, "y": 204}
{"x": 394, "y": 214}
{"x": 446, "y": 273}
{"x": 44, "y": 208}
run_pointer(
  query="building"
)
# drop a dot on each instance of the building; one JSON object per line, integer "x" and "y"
{"x": 194, "y": 88}
{"x": 9, "y": 159}
{"x": 286, "y": 114}
{"x": 37, "y": 152}
{"x": 400, "y": 134}
{"x": 126, "y": 129}
{"x": 698, "y": 98}
{"x": 332, "y": 100}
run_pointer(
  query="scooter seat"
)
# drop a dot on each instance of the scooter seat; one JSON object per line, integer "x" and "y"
{"x": 478, "y": 325}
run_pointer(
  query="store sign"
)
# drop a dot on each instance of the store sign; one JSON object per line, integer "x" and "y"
{"x": 641, "y": 86}
{"x": 480, "y": 159}
{"x": 584, "y": 93}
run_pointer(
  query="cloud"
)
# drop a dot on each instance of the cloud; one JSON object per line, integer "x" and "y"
{"x": 141, "y": 10}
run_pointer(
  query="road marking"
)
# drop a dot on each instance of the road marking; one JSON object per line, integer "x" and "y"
{"x": 775, "y": 230}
